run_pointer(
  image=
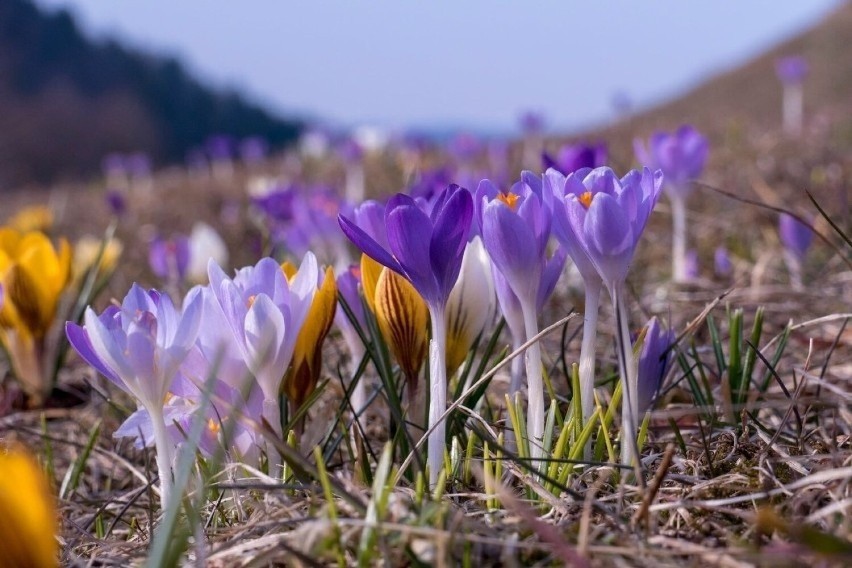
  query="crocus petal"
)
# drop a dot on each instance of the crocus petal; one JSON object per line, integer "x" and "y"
{"x": 409, "y": 236}
{"x": 105, "y": 346}
{"x": 79, "y": 340}
{"x": 550, "y": 276}
{"x": 610, "y": 239}
{"x": 403, "y": 318}
{"x": 265, "y": 336}
{"x": 449, "y": 238}
{"x": 368, "y": 245}
{"x": 511, "y": 245}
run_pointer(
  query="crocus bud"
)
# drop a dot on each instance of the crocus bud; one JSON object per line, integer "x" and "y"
{"x": 653, "y": 361}
{"x": 471, "y": 305}
{"x": 722, "y": 262}
{"x": 795, "y": 235}
{"x": 304, "y": 371}
{"x": 204, "y": 244}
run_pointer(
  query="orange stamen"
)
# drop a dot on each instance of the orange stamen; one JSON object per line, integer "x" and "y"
{"x": 510, "y": 199}
{"x": 586, "y": 199}
{"x": 251, "y": 300}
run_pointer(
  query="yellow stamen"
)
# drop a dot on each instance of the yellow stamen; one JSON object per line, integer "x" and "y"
{"x": 214, "y": 427}
{"x": 251, "y": 300}
{"x": 586, "y": 199}
{"x": 510, "y": 199}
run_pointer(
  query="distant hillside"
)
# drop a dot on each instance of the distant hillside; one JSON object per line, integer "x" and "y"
{"x": 750, "y": 95}
{"x": 65, "y": 101}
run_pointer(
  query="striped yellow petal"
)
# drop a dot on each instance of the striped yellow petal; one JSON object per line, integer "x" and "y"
{"x": 28, "y": 523}
{"x": 370, "y": 271}
{"x": 403, "y": 318}
{"x": 304, "y": 371}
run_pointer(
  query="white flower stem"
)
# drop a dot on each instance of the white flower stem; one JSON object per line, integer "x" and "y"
{"x": 535, "y": 384}
{"x": 587, "y": 349}
{"x": 629, "y": 378}
{"x": 272, "y": 414}
{"x": 794, "y": 268}
{"x": 438, "y": 393}
{"x": 163, "y": 447}
{"x": 678, "y": 237}
{"x": 516, "y": 369}
{"x": 358, "y": 397}
{"x": 793, "y": 103}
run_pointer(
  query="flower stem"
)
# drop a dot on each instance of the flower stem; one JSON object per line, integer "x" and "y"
{"x": 792, "y": 102}
{"x": 535, "y": 384}
{"x": 438, "y": 393}
{"x": 163, "y": 447}
{"x": 272, "y": 414}
{"x": 678, "y": 237}
{"x": 794, "y": 267}
{"x": 516, "y": 369}
{"x": 629, "y": 379}
{"x": 587, "y": 349}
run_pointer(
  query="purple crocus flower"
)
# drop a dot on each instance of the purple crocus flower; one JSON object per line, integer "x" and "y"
{"x": 654, "y": 360}
{"x": 795, "y": 235}
{"x": 722, "y": 265}
{"x": 681, "y": 156}
{"x": 314, "y": 226}
{"x": 169, "y": 258}
{"x": 692, "y": 268}
{"x": 557, "y": 184}
{"x": 264, "y": 313}
{"x": 572, "y": 157}
{"x": 426, "y": 249}
{"x": 515, "y": 228}
{"x": 116, "y": 202}
{"x": 140, "y": 346}
{"x": 277, "y": 205}
{"x": 796, "y": 238}
{"x": 605, "y": 217}
{"x": 791, "y": 69}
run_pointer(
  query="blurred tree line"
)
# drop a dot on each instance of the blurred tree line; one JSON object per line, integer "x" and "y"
{"x": 66, "y": 100}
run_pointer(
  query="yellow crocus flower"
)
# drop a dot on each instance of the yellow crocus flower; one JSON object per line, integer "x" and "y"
{"x": 401, "y": 314}
{"x": 34, "y": 275}
{"x": 28, "y": 522}
{"x": 304, "y": 370}
{"x": 86, "y": 253}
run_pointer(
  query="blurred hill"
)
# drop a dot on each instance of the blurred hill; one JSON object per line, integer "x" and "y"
{"x": 749, "y": 96}
{"x": 66, "y": 101}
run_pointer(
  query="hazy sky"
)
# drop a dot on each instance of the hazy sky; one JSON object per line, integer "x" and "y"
{"x": 476, "y": 63}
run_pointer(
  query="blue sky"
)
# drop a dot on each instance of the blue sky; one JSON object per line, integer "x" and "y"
{"x": 443, "y": 63}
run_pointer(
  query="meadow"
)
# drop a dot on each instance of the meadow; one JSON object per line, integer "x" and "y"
{"x": 522, "y": 358}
